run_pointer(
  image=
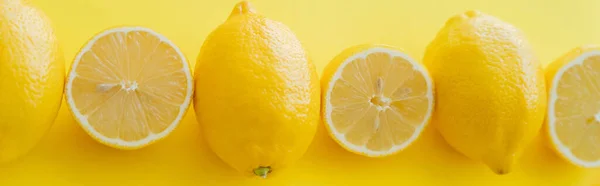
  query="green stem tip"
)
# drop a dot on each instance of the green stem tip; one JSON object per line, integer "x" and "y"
{"x": 262, "y": 171}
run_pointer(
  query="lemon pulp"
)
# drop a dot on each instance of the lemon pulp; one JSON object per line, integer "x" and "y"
{"x": 129, "y": 86}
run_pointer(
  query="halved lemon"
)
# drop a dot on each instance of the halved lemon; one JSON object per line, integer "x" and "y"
{"x": 573, "y": 119}
{"x": 376, "y": 99}
{"x": 129, "y": 87}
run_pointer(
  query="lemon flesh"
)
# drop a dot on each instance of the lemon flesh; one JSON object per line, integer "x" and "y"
{"x": 129, "y": 87}
{"x": 574, "y": 106}
{"x": 377, "y": 100}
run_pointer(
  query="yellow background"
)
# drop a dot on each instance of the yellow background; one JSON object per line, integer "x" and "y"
{"x": 67, "y": 156}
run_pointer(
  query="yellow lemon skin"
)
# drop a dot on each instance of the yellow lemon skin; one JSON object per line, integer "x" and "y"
{"x": 490, "y": 89}
{"x": 257, "y": 94}
{"x": 31, "y": 77}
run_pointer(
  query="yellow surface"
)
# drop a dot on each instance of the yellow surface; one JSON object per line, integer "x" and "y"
{"x": 68, "y": 156}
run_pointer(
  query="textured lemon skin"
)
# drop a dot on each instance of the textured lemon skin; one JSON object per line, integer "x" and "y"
{"x": 31, "y": 77}
{"x": 257, "y": 93}
{"x": 550, "y": 74}
{"x": 490, "y": 89}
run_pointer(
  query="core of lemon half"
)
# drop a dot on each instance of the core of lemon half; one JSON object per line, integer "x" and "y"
{"x": 376, "y": 99}
{"x": 573, "y": 119}
{"x": 129, "y": 87}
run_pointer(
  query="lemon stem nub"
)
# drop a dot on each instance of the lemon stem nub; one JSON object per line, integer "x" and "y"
{"x": 501, "y": 171}
{"x": 262, "y": 171}
{"x": 243, "y": 7}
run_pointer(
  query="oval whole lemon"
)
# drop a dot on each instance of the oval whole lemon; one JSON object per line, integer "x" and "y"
{"x": 257, "y": 93}
{"x": 31, "y": 77}
{"x": 490, "y": 91}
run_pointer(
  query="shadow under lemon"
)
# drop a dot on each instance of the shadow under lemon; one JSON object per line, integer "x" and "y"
{"x": 68, "y": 152}
{"x": 541, "y": 162}
{"x": 430, "y": 160}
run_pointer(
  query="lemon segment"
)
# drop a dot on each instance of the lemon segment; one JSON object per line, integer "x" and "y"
{"x": 376, "y": 99}
{"x": 129, "y": 87}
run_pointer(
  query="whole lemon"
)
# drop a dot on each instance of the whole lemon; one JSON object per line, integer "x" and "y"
{"x": 257, "y": 93}
{"x": 31, "y": 77}
{"x": 490, "y": 91}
